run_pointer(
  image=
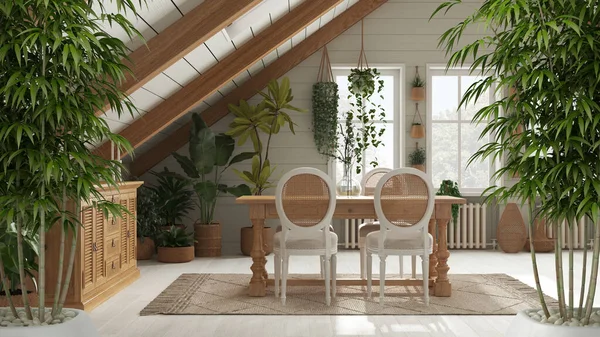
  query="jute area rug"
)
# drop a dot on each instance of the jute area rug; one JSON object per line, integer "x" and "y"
{"x": 226, "y": 294}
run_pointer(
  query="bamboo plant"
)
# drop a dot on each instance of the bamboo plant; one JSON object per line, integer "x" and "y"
{"x": 548, "y": 53}
{"x": 58, "y": 67}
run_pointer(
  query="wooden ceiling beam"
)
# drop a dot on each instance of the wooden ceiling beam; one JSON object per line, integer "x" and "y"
{"x": 278, "y": 68}
{"x": 222, "y": 73}
{"x": 179, "y": 39}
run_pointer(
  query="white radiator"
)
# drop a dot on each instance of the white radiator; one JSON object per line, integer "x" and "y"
{"x": 578, "y": 239}
{"x": 469, "y": 233}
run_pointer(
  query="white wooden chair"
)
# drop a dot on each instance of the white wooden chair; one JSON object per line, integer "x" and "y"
{"x": 368, "y": 184}
{"x": 404, "y": 201}
{"x": 305, "y": 202}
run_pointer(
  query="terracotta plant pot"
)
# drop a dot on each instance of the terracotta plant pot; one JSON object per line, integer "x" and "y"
{"x": 247, "y": 240}
{"x": 145, "y": 248}
{"x": 417, "y": 94}
{"x": 175, "y": 254}
{"x": 419, "y": 167}
{"x": 208, "y": 239}
{"x": 417, "y": 131}
{"x": 18, "y": 299}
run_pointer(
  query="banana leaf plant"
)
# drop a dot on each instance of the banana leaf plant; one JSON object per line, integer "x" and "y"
{"x": 268, "y": 117}
{"x": 210, "y": 155}
{"x": 10, "y": 259}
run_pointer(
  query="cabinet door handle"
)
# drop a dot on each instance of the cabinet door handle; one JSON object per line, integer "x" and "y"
{"x": 113, "y": 243}
{"x": 128, "y": 233}
{"x": 113, "y": 265}
{"x": 113, "y": 221}
{"x": 94, "y": 247}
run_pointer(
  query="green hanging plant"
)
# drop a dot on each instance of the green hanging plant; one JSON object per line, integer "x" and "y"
{"x": 363, "y": 84}
{"x": 325, "y": 117}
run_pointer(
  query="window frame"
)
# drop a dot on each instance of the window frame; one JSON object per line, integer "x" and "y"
{"x": 440, "y": 70}
{"x": 398, "y": 70}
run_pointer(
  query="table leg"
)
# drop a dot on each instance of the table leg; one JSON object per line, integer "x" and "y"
{"x": 433, "y": 260}
{"x": 443, "y": 287}
{"x": 259, "y": 273}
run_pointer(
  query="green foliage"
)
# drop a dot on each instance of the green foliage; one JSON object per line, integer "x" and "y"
{"x": 175, "y": 237}
{"x": 148, "y": 213}
{"x": 362, "y": 85}
{"x": 268, "y": 117}
{"x": 8, "y": 254}
{"x": 210, "y": 154}
{"x": 325, "y": 117}
{"x": 174, "y": 197}
{"x": 417, "y": 82}
{"x": 58, "y": 67}
{"x": 449, "y": 187}
{"x": 417, "y": 157}
{"x": 548, "y": 51}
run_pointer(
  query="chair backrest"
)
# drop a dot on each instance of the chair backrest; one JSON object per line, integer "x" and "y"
{"x": 404, "y": 200}
{"x": 305, "y": 200}
{"x": 371, "y": 178}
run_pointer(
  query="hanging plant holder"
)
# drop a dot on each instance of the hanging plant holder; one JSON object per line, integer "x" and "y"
{"x": 417, "y": 92}
{"x": 325, "y": 102}
{"x": 417, "y": 130}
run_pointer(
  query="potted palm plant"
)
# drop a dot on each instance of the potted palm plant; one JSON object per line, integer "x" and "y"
{"x": 58, "y": 68}
{"x": 148, "y": 222}
{"x": 210, "y": 156}
{"x": 175, "y": 246}
{"x": 557, "y": 153}
{"x": 175, "y": 199}
{"x": 267, "y": 117}
{"x": 417, "y": 158}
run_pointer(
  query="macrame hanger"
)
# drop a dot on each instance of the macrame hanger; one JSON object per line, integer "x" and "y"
{"x": 417, "y": 115}
{"x": 325, "y": 72}
{"x": 362, "y": 57}
{"x": 417, "y": 75}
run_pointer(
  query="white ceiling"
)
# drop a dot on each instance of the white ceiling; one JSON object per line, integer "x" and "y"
{"x": 158, "y": 15}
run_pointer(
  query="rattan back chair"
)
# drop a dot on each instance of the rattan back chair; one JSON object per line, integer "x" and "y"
{"x": 404, "y": 202}
{"x": 305, "y": 201}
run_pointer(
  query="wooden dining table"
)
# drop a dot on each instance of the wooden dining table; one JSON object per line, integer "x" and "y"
{"x": 262, "y": 207}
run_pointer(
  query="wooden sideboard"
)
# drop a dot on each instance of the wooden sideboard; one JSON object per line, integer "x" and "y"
{"x": 105, "y": 257}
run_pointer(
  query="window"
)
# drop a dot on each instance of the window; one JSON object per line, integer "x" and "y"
{"x": 389, "y": 153}
{"x": 452, "y": 138}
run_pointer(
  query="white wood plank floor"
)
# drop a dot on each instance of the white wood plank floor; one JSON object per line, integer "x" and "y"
{"x": 119, "y": 316}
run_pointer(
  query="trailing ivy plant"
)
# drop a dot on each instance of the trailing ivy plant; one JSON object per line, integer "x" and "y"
{"x": 58, "y": 67}
{"x": 548, "y": 51}
{"x": 449, "y": 187}
{"x": 362, "y": 85}
{"x": 325, "y": 101}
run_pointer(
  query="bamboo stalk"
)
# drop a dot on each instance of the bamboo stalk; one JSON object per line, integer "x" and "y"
{"x": 583, "y": 271}
{"x": 559, "y": 272}
{"x": 61, "y": 254}
{"x": 6, "y": 287}
{"x": 21, "y": 260}
{"x": 65, "y": 290}
{"x": 42, "y": 262}
{"x": 571, "y": 244}
{"x": 536, "y": 275}
{"x": 594, "y": 272}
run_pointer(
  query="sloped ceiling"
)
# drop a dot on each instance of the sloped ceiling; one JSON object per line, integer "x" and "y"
{"x": 159, "y": 14}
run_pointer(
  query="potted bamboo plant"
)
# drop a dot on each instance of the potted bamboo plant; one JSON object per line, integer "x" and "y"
{"x": 557, "y": 153}
{"x": 58, "y": 68}
{"x": 267, "y": 117}
{"x": 175, "y": 246}
{"x": 210, "y": 155}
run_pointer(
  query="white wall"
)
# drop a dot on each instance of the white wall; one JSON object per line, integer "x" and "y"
{"x": 399, "y": 32}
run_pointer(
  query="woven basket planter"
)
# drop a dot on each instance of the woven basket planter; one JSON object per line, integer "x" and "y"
{"x": 145, "y": 248}
{"x": 208, "y": 239}
{"x": 175, "y": 254}
{"x": 511, "y": 232}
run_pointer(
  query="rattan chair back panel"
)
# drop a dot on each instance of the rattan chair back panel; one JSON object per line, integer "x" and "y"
{"x": 371, "y": 179}
{"x": 305, "y": 199}
{"x": 404, "y": 200}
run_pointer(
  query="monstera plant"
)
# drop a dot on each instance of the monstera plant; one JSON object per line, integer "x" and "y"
{"x": 210, "y": 155}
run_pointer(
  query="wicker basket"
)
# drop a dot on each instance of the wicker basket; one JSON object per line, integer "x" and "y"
{"x": 175, "y": 254}
{"x": 541, "y": 242}
{"x": 208, "y": 239}
{"x": 145, "y": 248}
{"x": 511, "y": 232}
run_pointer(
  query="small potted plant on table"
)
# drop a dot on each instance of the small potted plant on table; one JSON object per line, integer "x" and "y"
{"x": 175, "y": 246}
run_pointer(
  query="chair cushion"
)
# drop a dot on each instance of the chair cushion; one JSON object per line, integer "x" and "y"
{"x": 407, "y": 241}
{"x": 305, "y": 241}
{"x": 278, "y": 229}
{"x": 367, "y": 227}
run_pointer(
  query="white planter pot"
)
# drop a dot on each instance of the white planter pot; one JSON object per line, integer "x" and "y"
{"x": 80, "y": 326}
{"x": 525, "y": 326}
